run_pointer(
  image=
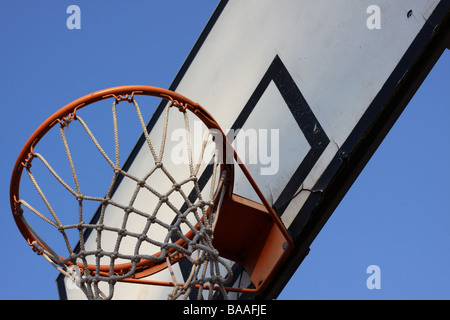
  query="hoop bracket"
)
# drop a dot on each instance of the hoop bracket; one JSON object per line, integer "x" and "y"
{"x": 257, "y": 242}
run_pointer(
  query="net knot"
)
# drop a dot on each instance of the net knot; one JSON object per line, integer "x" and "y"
{"x": 142, "y": 237}
{"x": 114, "y": 255}
{"x": 99, "y": 253}
{"x": 128, "y": 210}
{"x": 141, "y": 183}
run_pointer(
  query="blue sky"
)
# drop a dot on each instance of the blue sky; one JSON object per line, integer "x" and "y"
{"x": 395, "y": 216}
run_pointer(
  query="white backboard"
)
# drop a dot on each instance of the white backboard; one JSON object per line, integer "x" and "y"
{"x": 321, "y": 81}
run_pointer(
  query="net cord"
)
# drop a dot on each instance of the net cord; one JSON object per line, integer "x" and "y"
{"x": 199, "y": 250}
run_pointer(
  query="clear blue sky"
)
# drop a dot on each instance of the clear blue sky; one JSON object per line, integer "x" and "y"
{"x": 396, "y": 215}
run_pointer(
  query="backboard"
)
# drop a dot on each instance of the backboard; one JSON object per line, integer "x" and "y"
{"x": 306, "y": 91}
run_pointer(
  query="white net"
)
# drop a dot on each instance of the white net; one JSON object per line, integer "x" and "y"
{"x": 161, "y": 217}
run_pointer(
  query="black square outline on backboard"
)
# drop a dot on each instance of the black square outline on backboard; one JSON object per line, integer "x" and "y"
{"x": 304, "y": 117}
{"x": 306, "y": 121}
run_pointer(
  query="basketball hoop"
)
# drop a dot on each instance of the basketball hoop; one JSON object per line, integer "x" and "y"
{"x": 259, "y": 241}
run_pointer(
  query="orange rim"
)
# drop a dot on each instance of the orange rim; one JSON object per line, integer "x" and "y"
{"x": 26, "y": 155}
